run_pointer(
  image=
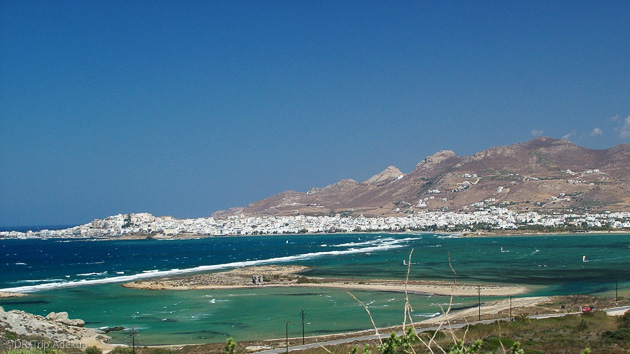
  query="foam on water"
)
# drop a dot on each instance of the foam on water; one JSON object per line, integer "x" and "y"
{"x": 379, "y": 245}
{"x": 91, "y": 274}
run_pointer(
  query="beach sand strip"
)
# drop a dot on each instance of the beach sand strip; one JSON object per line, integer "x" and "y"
{"x": 288, "y": 276}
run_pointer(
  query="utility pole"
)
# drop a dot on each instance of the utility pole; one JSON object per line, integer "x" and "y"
{"x": 302, "y": 326}
{"x": 510, "y": 307}
{"x": 133, "y": 340}
{"x": 479, "y": 300}
{"x": 286, "y": 323}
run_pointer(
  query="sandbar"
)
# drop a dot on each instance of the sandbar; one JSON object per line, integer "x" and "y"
{"x": 288, "y": 276}
{"x": 8, "y": 294}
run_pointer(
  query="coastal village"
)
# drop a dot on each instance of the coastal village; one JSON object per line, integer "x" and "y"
{"x": 484, "y": 219}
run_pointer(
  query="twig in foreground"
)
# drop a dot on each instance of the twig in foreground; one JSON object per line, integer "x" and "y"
{"x": 369, "y": 314}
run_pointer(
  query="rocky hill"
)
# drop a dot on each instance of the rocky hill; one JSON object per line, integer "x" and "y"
{"x": 543, "y": 174}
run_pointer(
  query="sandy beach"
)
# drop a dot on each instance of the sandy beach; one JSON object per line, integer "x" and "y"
{"x": 490, "y": 309}
{"x": 288, "y": 276}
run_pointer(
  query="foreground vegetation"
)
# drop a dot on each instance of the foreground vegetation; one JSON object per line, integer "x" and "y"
{"x": 590, "y": 332}
{"x": 594, "y": 332}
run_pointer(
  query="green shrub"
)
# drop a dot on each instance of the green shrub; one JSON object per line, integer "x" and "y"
{"x": 365, "y": 350}
{"x": 522, "y": 319}
{"x": 305, "y": 280}
{"x": 461, "y": 348}
{"x": 429, "y": 334}
{"x": 402, "y": 344}
{"x": 230, "y": 346}
{"x": 494, "y": 343}
{"x": 93, "y": 350}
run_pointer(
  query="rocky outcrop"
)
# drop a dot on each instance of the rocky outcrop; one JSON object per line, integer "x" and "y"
{"x": 389, "y": 174}
{"x": 436, "y": 160}
{"x": 56, "y": 327}
{"x": 62, "y": 317}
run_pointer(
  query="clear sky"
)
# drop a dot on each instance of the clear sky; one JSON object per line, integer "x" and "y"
{"x": 183, "y": 108}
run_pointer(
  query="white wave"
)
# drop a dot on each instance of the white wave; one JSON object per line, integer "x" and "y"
{"x": 20, "y": 263}
{"x": 48, "y": 280}
{"x": 90, "y": 274}
{"x": 449, "y": 236}
{"x": 388, "y": 240}
{"x": 429, "y": 315}
{"x": 365, "y": 243}
{"x": 383, "y": 246}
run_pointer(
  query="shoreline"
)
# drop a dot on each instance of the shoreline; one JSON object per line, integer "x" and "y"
{"x": 507, "y": 233}
{"x": 463, "y": 234}
{"x": 289, "y": 276}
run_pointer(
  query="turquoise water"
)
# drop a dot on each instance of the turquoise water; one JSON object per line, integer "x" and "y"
{"x": 175, "y": 317}
{"x": 82, "y": 278}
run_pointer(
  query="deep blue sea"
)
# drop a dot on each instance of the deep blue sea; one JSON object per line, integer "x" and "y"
{"x": 83, "y": 278}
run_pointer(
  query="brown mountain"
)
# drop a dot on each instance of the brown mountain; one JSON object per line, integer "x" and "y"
{"x": 543, "y": 174}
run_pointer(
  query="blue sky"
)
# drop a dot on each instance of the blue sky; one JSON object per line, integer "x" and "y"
{"x": 184, "y": 108}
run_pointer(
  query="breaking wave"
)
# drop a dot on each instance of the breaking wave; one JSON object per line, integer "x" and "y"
{"x": 373, "y": 246}
{"x": 378, "y": 242}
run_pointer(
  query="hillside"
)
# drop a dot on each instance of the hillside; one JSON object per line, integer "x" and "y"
{"x": 543, "y": 174}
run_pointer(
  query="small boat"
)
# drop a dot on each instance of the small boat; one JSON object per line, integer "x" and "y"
{"x": 583, "y": 258}
{"x": 404, "y": 262}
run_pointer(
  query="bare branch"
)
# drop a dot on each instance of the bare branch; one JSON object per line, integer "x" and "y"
{"x": 369, "y": 314}
{"x": 321, "y": 346}
{"x": 408, "y": 308}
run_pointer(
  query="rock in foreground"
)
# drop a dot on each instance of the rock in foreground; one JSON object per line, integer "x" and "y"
{"x": 56, "y": 327}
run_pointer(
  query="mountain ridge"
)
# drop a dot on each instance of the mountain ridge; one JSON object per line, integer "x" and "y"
{"x": 543, "y": 174}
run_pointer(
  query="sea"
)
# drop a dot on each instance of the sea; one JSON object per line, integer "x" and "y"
{"x": 84, "y": 277}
